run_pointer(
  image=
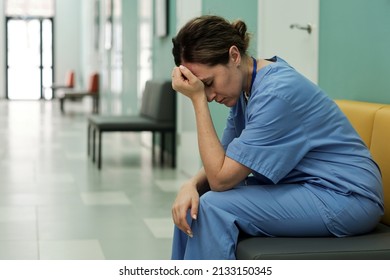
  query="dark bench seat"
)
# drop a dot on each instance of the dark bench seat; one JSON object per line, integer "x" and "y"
{"x": 158, "y": 115}
{"x": 373, "y": 246}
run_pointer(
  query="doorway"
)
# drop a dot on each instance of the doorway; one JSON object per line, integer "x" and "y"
{"x": 290, "y": 29}
{"x": 29, "y": 58}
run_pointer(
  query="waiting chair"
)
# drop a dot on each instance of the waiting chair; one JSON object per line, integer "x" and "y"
{"x": 77, "y": 95}
{"x": 69, "y": 82}
{"x": 157, "y": 115}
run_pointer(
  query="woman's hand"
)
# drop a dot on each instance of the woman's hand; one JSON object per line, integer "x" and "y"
{"x": 187, "y": 198}
{"x": 185, "y": 82}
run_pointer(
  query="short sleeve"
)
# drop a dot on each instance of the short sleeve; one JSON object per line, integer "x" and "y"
{"x": 273, "y": 141}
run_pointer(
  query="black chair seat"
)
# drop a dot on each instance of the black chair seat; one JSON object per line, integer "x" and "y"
{"x": 375, "y": 246}
{"x": 129, "y": 123}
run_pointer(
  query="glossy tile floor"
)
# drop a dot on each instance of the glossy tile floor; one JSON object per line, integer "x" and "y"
{"x": 55, "y": 204}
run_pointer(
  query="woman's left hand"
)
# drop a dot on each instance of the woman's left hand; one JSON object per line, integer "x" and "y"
{"x": 184, "y": 81}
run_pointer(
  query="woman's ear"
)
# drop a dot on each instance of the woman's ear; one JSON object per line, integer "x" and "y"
{"x": 235, "y": 55}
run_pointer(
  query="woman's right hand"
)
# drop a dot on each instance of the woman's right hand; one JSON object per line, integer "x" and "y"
{"x": 187, "y": 198}
{"x": 185, "y": 82}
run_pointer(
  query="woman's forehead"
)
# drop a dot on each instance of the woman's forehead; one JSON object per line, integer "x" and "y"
{"x": 202, "y": 71}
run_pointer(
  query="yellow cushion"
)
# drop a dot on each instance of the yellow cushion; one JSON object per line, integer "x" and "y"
{"x": 380, "y": 149}
{"x": 361, "y": 115}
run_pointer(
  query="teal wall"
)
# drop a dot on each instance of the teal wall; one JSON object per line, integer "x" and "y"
{"x": 67, "y": 40}
{"x": 162, "y": 48}
{"x": 231, "y": 10}
{"x": 130, "y": 56}
{"x": 354, "y": 49}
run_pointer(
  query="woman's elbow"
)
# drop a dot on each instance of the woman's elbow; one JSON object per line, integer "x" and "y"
{"x": 219, "y": 185}
{"x": 226, "y": 179}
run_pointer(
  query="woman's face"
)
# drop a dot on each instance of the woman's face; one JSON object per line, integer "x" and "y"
{"x": 223, "y": 83}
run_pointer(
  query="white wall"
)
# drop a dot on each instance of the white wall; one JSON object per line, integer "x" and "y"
{"x": 67, "y": 40}
{"x": 88, "y": 53}
{"x": 2, "y": 50}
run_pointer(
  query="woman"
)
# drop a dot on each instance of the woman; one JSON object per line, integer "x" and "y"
{"x": 289, "y": 162}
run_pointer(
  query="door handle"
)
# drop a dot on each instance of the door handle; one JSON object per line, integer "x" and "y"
{"x": 308, "y": 27}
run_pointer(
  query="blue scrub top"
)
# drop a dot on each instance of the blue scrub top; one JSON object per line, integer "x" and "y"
{"x": 290, "y": 131}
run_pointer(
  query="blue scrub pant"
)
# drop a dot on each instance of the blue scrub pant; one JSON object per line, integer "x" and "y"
{"x": 271, "y": 210}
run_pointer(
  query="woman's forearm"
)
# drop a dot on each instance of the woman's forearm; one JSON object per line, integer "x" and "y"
{"x": 210, "y": 148}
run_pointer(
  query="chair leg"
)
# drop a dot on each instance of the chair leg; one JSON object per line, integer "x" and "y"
{"x": 162, "y": 148}
{"x": 62, "y": 105}
{"x": 93, "y": 144}
{"x": 153, "y": 146}
{"x": 99, "y": 163}
{"x": 89, "y": 140}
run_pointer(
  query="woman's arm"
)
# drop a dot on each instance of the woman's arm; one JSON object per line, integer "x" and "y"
{"x": 222, "y": 172}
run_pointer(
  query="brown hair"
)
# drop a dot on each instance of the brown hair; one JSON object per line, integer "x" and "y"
{"x": 207, "y": 40}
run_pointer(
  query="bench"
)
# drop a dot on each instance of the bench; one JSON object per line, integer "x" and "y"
{"x": 157, "y": 115}
{"x": 372, "y": 122}
{"x": 77, "y": 95}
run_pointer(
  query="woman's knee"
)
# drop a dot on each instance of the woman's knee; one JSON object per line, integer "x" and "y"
{"x": 225, "y": 201}
{"x": 209, "y": 199}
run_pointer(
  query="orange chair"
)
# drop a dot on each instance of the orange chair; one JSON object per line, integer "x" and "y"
{"x": 69, "y": 82}
{"x": 76, "y": 95}
{"x": 70, "y": 79}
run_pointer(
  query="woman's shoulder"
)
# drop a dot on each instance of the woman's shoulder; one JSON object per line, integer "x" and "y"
{"x": 280, "y": 80}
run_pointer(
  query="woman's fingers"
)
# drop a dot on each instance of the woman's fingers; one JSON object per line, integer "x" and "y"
{"x": 186, "y": 202}
{"x": 194, "y": 208}
{"x": 177, "y": 79}
{"x": 184, "y": 81}
{"x": 187, "y": 75}
{"x": 180, "y": 220}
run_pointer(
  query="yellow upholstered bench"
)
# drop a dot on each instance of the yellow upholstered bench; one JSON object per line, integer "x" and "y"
{"x": 372, "y": 122}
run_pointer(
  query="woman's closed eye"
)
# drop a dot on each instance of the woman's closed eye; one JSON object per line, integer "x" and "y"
{"x": 208, "y": 83}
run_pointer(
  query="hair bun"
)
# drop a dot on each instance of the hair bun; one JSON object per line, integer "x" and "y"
{"x": 241, "y": 29}
{"x": 240, "y": 26}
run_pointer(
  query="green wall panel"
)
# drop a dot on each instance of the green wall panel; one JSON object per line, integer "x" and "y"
{"x": 130, "y": 56}
{"x": 162, "y": 48}
{"x": 354, "y": 48}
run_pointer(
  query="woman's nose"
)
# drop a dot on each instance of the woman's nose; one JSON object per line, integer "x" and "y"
{"x": 210, "y": 95}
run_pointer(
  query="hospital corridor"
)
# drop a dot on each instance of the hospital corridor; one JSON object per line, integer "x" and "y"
{"x": 55, "y": 204}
